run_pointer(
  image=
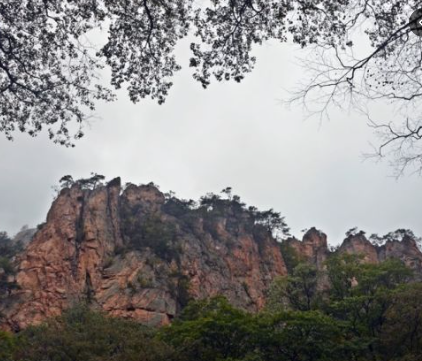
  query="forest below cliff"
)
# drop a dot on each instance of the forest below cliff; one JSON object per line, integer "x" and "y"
{"x": 368, "y": 312}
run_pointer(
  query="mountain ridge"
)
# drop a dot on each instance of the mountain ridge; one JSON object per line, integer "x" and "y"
{"x": 138, "y": 253}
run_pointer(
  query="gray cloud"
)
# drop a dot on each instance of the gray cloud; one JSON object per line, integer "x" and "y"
{"x": 229, "y": 135}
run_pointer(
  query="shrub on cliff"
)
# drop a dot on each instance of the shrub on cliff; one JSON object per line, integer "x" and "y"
{"x": 8, "y": 250}
{"x": 7, "y": 346}
{"x": 149, "y": 231}
{"x": 85, "y": 183}
{"x": 290, "y": 256}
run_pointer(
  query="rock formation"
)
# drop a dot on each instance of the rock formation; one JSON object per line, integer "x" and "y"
{"x": 359, "y": 244}
{"x": 140, "y": 254}
{"x": 313, "y": 248}
{"x": 94, "y": 247}
{"x": 402, "y": 245}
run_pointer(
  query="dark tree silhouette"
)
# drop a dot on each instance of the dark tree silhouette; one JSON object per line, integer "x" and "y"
{"x": 92, "y": 182}
{"x": 46, "y": 69}
{"x": 49, "y": 70}
{"x": 66, "y": 181}
{"x": 345, "y": 73}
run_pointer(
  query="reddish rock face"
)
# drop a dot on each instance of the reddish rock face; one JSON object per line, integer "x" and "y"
{"x": 313, "y": 248}
{"x": 84, "y": 253}
{"x": 405, "y": 250}
{"x": 358, "y": 244}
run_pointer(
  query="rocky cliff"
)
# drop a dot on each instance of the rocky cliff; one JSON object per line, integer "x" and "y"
{"x": 401, "y": 244}
{"x": 137, "y": 253}
{"x": 313, "y": 248}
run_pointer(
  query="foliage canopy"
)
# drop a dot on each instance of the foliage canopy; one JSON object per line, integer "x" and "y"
{"x": 50, "y": 70}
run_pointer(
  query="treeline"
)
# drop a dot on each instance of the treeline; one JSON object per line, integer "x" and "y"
{"x": 350, "y": 311}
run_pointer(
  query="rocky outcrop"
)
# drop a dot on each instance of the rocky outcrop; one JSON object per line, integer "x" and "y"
{"x": 358, "y": 244}
{"x": 313, "y": 248}
{"x": 406, "y": 250}
{"x": 140, "y": 254}
{"x": 134, "y": 254}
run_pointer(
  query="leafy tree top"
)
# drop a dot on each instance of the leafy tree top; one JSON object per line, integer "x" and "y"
{"x": 49, "y": 70}
{"x": 398, "y": 235}
{"x": 85, "y": 183}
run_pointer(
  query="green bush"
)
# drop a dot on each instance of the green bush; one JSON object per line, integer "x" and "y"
{"x": 290, "y": 256}
{"x": 144, "y": 282}
{"x": 179, "y": 286}
{"x": 150, "y": 231}
{"x": 7, "y": 346}
{"x": 83, "y": 335}
{"x": 8, "y": 250}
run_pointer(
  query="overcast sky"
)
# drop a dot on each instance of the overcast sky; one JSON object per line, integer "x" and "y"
{"x": 237, "y": 135}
